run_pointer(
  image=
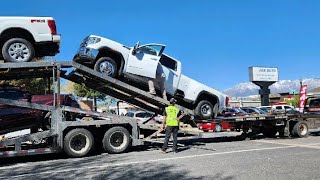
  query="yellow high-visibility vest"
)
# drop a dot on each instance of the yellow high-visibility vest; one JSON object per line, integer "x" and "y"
{"x": 172, "y": 116}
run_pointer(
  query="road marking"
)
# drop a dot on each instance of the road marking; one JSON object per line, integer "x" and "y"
{"x": 311, "y": 146}
{"x": 141, "y": 162}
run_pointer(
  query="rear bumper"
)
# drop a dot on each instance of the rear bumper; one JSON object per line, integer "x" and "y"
{"x": 56, "y": 38}
{"x": 47, "y": 49}
{"x": 86, "y": 56}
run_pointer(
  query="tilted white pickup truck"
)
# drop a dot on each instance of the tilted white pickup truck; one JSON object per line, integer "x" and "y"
{"x": 138, "y": 63}
{"x": 23, "y": 38}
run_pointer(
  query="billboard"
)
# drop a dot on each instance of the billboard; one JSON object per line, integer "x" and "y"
{"x": 266, "y": 74}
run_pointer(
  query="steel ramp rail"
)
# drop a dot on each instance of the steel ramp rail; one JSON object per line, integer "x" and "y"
{"x": 80, "y": 74}
{"x": 117, "y": 89}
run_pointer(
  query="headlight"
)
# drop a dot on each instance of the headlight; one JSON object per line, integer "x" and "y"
{"x": 93, "y": 40}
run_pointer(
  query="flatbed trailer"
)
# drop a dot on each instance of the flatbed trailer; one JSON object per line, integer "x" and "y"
{"x": 293, "y": 125}
{"x": 92, "y": 130}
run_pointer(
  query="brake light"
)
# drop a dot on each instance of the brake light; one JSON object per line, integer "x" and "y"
{"x": 52, "y": 26}
{"x": 227, "y": 101}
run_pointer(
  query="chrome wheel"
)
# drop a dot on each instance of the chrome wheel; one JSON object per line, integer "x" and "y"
{"x": 19, "y": 52}
{"x": 206, "y": 110}
{"x": 303, "y": 130}
{"x": 107, "y": 68}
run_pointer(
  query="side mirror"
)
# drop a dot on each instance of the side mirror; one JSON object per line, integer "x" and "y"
{"x": 135, "y": 47}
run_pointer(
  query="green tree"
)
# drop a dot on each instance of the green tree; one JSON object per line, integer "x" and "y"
{"x": 83, "y": 91}
{"x": 294, "y": 101}
{"x": 37, "y": 86}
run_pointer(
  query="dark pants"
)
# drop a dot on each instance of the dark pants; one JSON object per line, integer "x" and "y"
{"x": 174, "y": 131}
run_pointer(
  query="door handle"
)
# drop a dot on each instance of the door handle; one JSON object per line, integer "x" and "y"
{"x": 154, "y": 59}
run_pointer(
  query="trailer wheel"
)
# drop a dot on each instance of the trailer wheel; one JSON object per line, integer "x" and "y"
{"x": 300, "y": 129}
{"x": 78, "y": 142}
{"x": 116, "y": 140}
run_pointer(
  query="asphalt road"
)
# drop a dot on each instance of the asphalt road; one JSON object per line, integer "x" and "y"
{"x": 213, "y": 158}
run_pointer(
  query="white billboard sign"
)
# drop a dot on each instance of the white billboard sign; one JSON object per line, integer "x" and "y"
{"x": 267, "y": 74}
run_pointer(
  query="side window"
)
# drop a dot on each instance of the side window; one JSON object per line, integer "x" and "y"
{"x": 150, "y": 49}
{"x": 130, "y": 114}
{"x": 169, "y": 63}
{"x": 287, "y": 107}
{"x": 278, "y": 107}
{"x": 246, "y": 110}
{"x": 148, "y": 115}
{"x": 140, "y": 115}
{"x": 315, "y": 103}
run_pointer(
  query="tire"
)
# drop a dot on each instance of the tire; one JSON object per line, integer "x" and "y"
{"x": 116, "y": 140}
{"x": 300, "y": 129}
{"x": 204, "y": 110}
{"x": 18, "y": 50}
{"x": 78, "y": 142}
{"x": 218, "y": 128}
{"x": 106, "y": 66}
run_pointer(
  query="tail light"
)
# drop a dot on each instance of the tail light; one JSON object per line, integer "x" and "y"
{"x": 227, "y": 101}
{"x": 52, "y": 26}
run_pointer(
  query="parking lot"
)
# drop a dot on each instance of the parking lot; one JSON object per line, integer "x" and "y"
{"x": 226, "y": 156}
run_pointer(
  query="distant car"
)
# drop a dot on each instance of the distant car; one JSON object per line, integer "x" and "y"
{"x": 215, "y": 127}
{"x": 265, "y": 108}
{"x": 141, "y": 116}
{"x": 253, "y": 110}
{"x": 233, "y": 111}
{"x": 14, "y": 118}
{"x": 283, "y": 109}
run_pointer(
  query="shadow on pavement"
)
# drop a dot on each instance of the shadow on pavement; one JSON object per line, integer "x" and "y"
{"x": 100, "y": 167}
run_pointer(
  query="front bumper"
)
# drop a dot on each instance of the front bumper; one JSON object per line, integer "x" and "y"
{"x": 86, "y": 56}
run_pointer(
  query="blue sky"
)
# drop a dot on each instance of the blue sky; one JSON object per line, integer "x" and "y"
{"x": 215, "y": 40}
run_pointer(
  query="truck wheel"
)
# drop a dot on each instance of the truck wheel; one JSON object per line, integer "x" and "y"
{"x": 106, "y": 66}
{"x": 116, "y": 140}
{"x": 300, "y": 129}
{"x": 78, "y": 142}
{"x": 204, "y": 109}
{"x": 18, "y": 50}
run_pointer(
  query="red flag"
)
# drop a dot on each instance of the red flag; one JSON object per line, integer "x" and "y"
{"x": 303, "y": 97}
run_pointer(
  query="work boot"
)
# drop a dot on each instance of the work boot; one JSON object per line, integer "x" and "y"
{"x": 163, "y": 151}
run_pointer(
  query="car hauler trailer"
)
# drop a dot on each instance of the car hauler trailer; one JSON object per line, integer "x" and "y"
{"x": 78, "y": 137}
{"x": 93, "y": 130}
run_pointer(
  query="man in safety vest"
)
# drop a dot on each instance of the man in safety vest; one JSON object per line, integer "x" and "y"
{"x": 171, "y": 124}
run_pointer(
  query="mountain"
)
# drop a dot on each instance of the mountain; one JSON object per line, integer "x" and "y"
{"x": 248, "y": 88}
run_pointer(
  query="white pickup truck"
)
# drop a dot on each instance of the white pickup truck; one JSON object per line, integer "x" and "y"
{"x": 139, "y": 63}
{"x": 23, "y": 38}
